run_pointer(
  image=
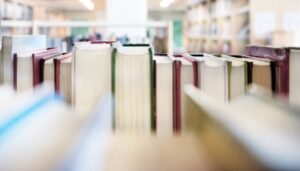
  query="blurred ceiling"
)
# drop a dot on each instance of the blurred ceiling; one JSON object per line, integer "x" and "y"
{"x": 75, "y": 5}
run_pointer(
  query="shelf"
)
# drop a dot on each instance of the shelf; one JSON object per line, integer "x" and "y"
{"x": 15, "y": 23}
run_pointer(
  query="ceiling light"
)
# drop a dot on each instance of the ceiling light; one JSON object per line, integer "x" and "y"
{"x": 88, "y": 4}
{"x": 165, "y": 3}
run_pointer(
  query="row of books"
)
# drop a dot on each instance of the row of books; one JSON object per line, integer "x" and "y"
{"x": 138, "y": 85}
{"x": 180, "y": 93}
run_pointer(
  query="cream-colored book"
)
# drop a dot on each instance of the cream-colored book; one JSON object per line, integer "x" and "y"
{"x": 215, "y": 77}
{"x": 132, "y": 89}
{"x": 164, "y": 95}
{"x": 91, "y": 69}
{"x": 238, "y": 77}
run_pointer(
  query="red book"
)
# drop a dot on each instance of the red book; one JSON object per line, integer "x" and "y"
{"x": 102, "y": 42}
{"x": 280, "y": 57}
{"x": 185, "y": 71}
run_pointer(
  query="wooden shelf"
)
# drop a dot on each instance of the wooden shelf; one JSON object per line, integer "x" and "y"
{"x": 238, "y": 18}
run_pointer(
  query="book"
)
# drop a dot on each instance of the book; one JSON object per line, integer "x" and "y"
{"x": 238, "y": 79}
{"x": 132, "y": 89}
{"x": 284, "y": 61}
{"x": 17, "y": 44}
{"x": 262, "y": 73}
{"x": 184, "y": 73}
{"x": 249, "y": 65}
{"x": 58, "y": 70}
{"x": 91, "y": 73}
{"x": 212, "y": 67}
{"x": 63, "y": 76}
{"x": 28, "y": 68}
{"x": 234, "y": 134}
{"x": 163, "y": 88}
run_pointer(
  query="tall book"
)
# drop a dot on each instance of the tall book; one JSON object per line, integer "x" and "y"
{"x": 163, "y": 89}
{"x": 184, "y": 73}
{"x": 17, "y": 44}
{"x": 91, "y": 67}
{"x": 132, "y": 89}
{"x": 235, "y": 134}
{"x": 28, "y": 67}
{"x": 285, "y": 72}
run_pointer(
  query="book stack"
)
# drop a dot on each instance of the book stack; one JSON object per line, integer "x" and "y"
{"x": 156, "y": 111}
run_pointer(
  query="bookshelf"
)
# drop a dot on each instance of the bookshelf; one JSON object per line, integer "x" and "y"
{"x": 226, "y": 26}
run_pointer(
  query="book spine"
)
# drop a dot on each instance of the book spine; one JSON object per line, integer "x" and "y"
{"x": 15, "y": 71}
{"x": 57, "y": 75}
{"x": 113, "y": 86}
{"x": 195, "y": 69}
{"x": 152, "y": 98}
{"x": 36, "y": 70}
{"x": 177, "y": 96}
{"x": 42, "y": 72}
{"x": 155, "y": 95}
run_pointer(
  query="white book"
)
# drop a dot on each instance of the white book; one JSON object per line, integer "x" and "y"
{"x": 294, "y": 82}
{"x": 91, "y": 67}
{"x": 164, "y": 95}
{"x": 133, "y": 89}
{"x": 238, "y": 77}
{"x": 214, "y": 74}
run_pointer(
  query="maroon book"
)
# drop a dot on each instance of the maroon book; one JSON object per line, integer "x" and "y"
{"x": 57, "y": 64}
{"x": 177, "y": 79}
{"x": 195, "y": 68}
{"x": 280, "y": 59}
{"x": 102, "y": 42}
{"x": 177, "y": 96}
